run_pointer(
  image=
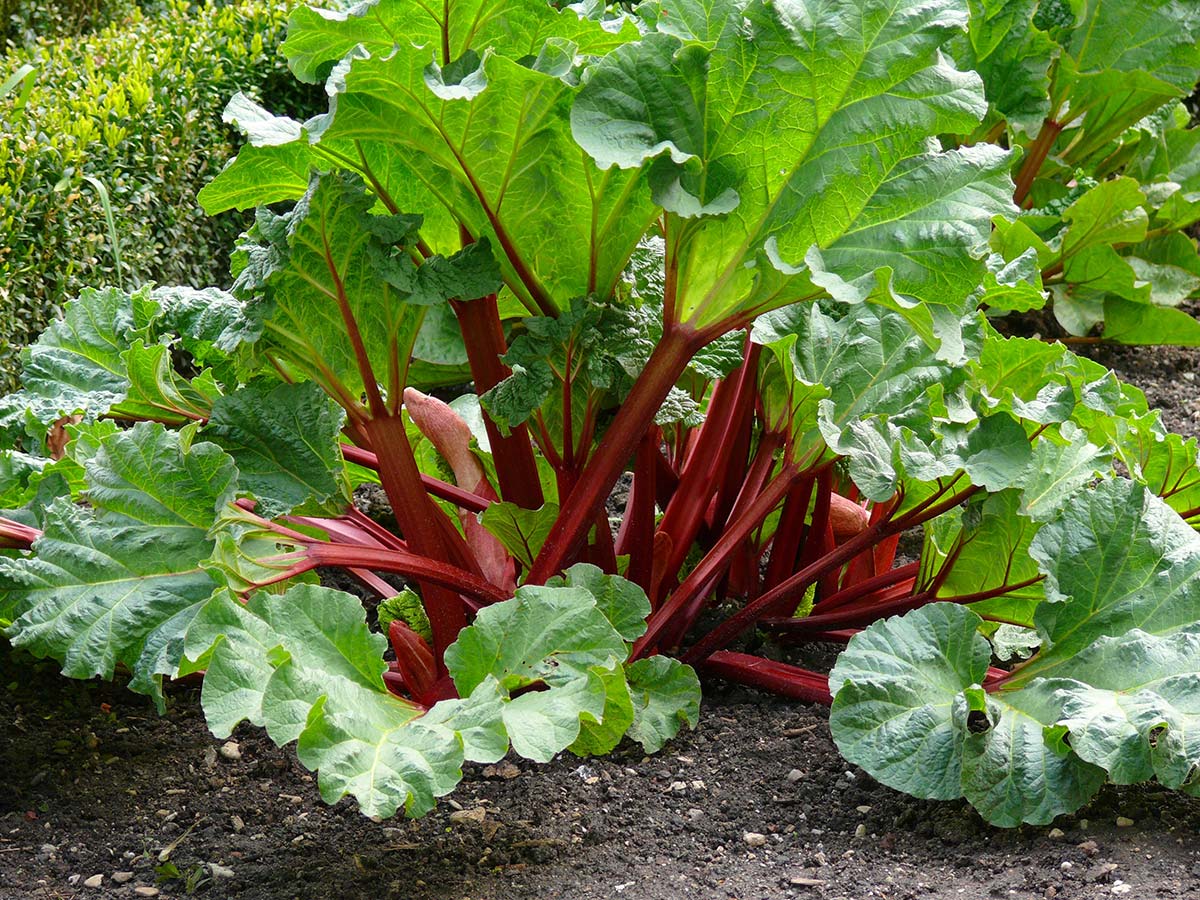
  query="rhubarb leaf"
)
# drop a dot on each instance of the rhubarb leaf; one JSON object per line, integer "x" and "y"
{"x": 750, "y": 137}
{"x": 284, "y": 440}
{"x": 117, "y": 582}
{"x": 325, "y": 260}
{"x": 622, "y": 602}
{"x": 1131, "y": 706}
{"x": 521, "y": 531}
{"x": 598, "y": 738}
{"x": 483, "y": 130}
{"x": 666, "y": 695}
{"x": 1020, "y": 768}
{"x": 554, "y": 635}
{"x": 1116, "y": 558}
{"x": 898, "y": 708}
{"x": 1118, "y": 638}
{"x": 304, "y": 665}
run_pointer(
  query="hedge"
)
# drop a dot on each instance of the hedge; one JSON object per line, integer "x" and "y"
{"x": 20, "y": 19}
{"x": 137, "y": 106}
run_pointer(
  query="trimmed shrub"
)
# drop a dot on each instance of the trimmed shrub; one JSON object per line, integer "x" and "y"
{"x": 136, "y": 106}
{"x": 21, "y": 20}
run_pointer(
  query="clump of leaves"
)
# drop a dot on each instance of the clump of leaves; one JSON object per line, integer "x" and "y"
{"x": 762, "y": 312}
{"x": 1092, "y": 94}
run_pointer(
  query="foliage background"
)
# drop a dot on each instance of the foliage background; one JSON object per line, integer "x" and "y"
{"x": 137, "y": 104}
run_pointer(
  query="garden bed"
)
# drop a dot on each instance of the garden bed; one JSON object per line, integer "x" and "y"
{"x": 97, "y": 784}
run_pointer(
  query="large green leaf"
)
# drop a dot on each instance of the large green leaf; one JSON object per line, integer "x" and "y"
{"x": 1132, "y": 707}
{"x": 1012, "y": 56}
{"x": 751, "y": 135}
{"x": 989, "y": 541}
{"x": 1116, "y": 558}
{"x": 118, "y": 581}
{"x": 304, "y": 665}
{"x": 1119, "y": 638}
{"x": 1120, "y": 63}
{"x": 864, "y": 386}
{"x": 465, "y": 119}
{"x": 908, "y": 708}
{"x": 898, "y": 706}
{"x": 329, "y": 258}
{"x": 666, "y": 695}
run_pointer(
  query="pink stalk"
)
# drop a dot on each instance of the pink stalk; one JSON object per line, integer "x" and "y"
{"x": 15, "y": 536}
{"x": 434, "y": 486}
{"x": 666, "y": 364}
{"x": 776, "y": 677}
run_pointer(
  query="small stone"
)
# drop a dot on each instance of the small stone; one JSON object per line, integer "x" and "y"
{"x": 794, "y": 775}
{"x": 695, "y": 815}
{"x": 503, "y": 770}
{"x": 144, "y": 890}
{"x": 801, "y": 881}
{"x": 860, "y": 831}
{"x": 122, "y": 877}
{"x": 210, "y": 758}
{"x": 219, "y": 871}
{"x": 73, "y": 880}
{"x": 1120, "y": 887}
{"x": 1066, "y": 865}
{"x": 754, "y": 839}
{"x": 231, "y": 750}
{"x": 1056, "y": 834}
{"x": 678, "y": 786}
{"x": 94, "y": 882}
{"x": 237, "y": 823}
{"x": 49, "y": 849}
{"x": 1083, "y": 824}
{"x": 1091, "y": 848}
{"x": 1050, "y": 893}
{"x": 1124, "y": 822}
{"x": 863, "y": 809}
{"x": 474, "y": 816}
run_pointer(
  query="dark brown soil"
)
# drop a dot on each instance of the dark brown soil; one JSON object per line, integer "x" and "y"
{"x": 755, "y": 805}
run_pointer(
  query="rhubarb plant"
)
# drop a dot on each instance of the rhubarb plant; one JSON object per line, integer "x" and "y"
{"x": 1092, "y": 94}
{"x": 727, "y": 257}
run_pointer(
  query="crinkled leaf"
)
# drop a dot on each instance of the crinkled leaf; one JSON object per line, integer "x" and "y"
{"x": 542, "y": 723}
{"x": 1116, "y": 558}
{"x": 304, "y": 665}
{"x": 1019, "y": 769}
{"x": 751, "y": 134}
{"x": 598, "y": 738}
{"x": 1012, "y": 56}
{"x": 1063, "y": 462}
{"x": 908, "y": 708}
{"x": 481, "y": 134}
{"x": 284, "y": 440}
{"x": 330, "y": 252}
{"x": 1131, "y": 706}
{"x": 897, "y": 689}
{"x": 991, "y": 539}
{"x": 551, "y": 634}
{"x": 116, "y": 582}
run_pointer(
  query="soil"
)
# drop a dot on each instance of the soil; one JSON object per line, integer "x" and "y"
{"x": 102, "y": 798}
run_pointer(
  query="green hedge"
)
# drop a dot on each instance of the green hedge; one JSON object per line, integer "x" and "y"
{"x": 20, "y": 19}
{"x": 136, "y": 105}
